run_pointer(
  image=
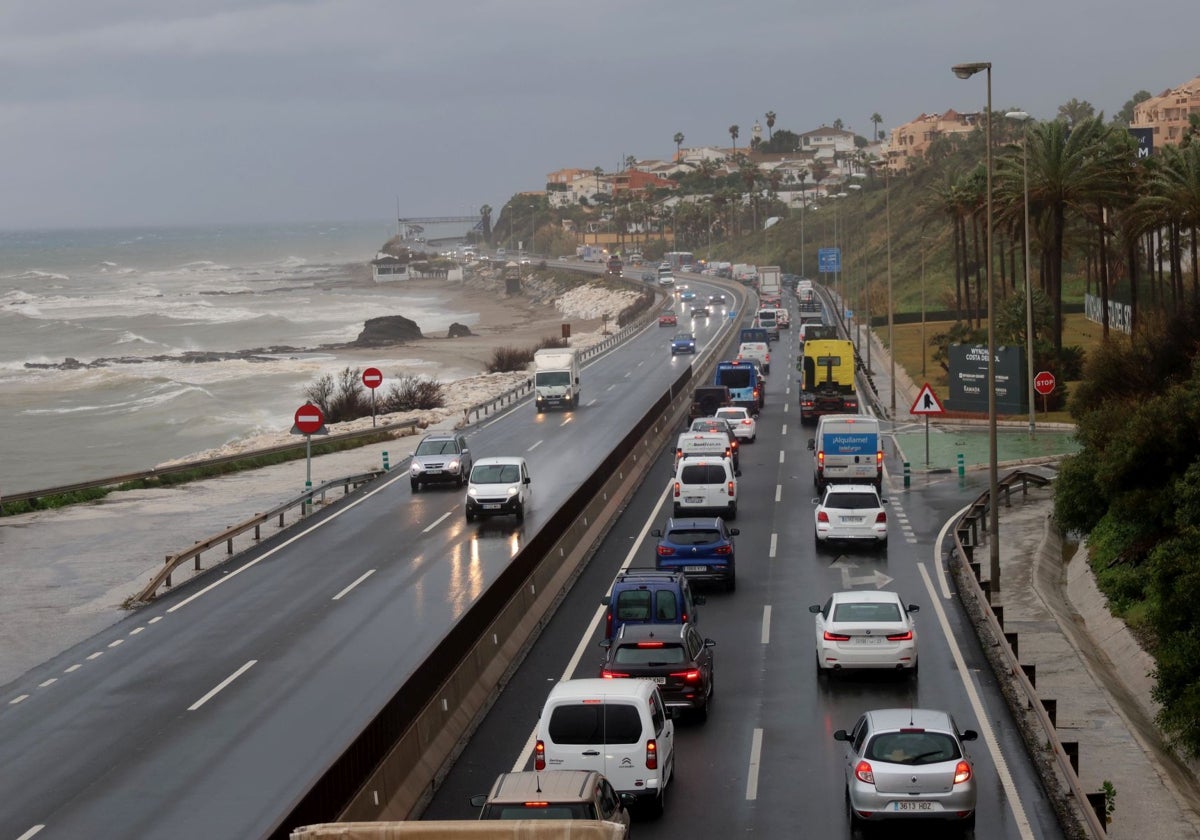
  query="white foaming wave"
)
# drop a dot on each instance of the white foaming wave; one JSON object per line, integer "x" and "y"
{"x": 127, "y": 337}
{"x": 35, "y": 274}
{"x": 162, "y": 396}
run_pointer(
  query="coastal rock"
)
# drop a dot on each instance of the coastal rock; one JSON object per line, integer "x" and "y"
{"x": 389, "y": 329}
{"x": 458, "y": 330}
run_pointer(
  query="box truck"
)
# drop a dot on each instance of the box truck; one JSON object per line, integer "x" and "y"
{"x": 556, "y": 378}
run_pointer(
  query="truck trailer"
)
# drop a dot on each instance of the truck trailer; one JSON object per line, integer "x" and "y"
{"x": 827, "y": 379}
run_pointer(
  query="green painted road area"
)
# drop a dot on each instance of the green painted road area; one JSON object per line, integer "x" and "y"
{"x": 1013, "y": 445}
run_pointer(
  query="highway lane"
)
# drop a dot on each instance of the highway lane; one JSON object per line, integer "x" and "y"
{"x": 208, "y": 713}
{"x": 767, "y": 689}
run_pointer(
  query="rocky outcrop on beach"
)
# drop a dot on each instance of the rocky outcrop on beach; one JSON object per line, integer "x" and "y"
{"x": 389, "y": 329}
{"x": 458, "y": 330}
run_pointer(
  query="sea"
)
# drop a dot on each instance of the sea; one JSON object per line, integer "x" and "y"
{"x": 149, "y": 300}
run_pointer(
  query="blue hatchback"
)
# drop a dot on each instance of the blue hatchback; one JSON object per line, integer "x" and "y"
{"x": 700, "y": 548}
{"x": 683, "y": 343}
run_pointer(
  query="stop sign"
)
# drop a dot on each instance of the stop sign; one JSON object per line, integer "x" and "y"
{"x": 372, "y": 378}
{"x": 309, "y": 419}
{"x": 1043, "y": 383}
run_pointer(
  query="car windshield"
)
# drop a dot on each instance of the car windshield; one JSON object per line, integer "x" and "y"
{"x": 554, "y": 377}
{"x": 869, "y": 612}
{"x": 913, "y": 748}
{"x": 694, "y": 536}
{"x": 683, "y": 337}
{"x": 437, "y": 447}
{"x": 852, "y": 501}
{"x": 496, "y": 474}
{"x": 735, "y": 377}
{"x": 668, "y": 654}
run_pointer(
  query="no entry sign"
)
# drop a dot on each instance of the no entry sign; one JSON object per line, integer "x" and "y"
{"x": 309, "y": 419}
{"x": 372, "y": 378}
{"x": 1043, "y": 383}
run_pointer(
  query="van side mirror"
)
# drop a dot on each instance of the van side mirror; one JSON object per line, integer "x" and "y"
{"x": 815, "y": 608}
{"x": 576, "y": 380}
{"x": 606, "y": 600}
{"x": 912, "y": 608}
{"x": 812, "y": 443}
{"x": 709, "y": 643}
{"x": 841, "y": 735}
{"x": 968, "y": 735}
{"x": 605, "y": 643}
{"x": 528, "y": 480}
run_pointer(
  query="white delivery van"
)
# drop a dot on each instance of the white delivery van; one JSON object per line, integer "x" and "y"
{"x": 705, "y": 485}
{"x": 697, "y": 444}
{"x": 766, "y": 320}
{"x": 619, "y": 728}
{"x": 555, "y": 378}
{"x": 848, "y": 448}
{"x": 758, "y": 351}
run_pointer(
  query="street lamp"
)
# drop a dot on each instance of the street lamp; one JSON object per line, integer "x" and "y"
{"x": 966, "y": 71}
{"x": 1023, "y": 118}
{"x": 859, "y": 264}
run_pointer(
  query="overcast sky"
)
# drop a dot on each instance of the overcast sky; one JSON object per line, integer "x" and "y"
{"x": 135, "y": 112}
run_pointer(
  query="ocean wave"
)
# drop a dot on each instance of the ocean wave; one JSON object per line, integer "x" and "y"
{"x": 162, "y": 396}
{"x": 36, "y": 274}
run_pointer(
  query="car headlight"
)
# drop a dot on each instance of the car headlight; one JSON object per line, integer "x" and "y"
{"x": 416, "y": 467}
{"x": 512, "y": 491}
{"x": 452, "y": 465}
{"x": 472, "y": 492}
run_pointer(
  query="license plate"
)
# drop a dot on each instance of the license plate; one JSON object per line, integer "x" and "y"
{"x": 695, "y": 568}
{"x": 868, "y": 640}
{"x": 491, "y": 507}
{"x": 913, "y": 806}
{"x": 433, "y": 472}
{"x": 655, "y": 680}
{"x": 694, "y": 500}
{"x": 852, "y": 519}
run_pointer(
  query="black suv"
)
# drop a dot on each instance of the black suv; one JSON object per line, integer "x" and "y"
{"x": 675, "y": 657}
{"x": 440, "y": 458}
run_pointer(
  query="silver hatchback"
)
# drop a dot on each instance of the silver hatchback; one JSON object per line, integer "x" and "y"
{"x": 908, "y": 764}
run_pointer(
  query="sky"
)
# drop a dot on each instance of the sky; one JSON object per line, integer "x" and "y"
{"x": 166, "y": 112}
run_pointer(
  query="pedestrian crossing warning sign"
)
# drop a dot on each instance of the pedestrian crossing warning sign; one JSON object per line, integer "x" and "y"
{"x": 927, "y": 402}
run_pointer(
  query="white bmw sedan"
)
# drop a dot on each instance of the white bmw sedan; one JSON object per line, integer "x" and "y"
{"x": 865, "y": 629}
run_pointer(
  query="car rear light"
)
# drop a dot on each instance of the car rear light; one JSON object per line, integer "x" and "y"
{"x": 729, "y": 489}
{"x": 835, "y": 637}
{"x": 881, "y": 518}
{"x": 879, "y": 458}
{"x": 651, "y": 754}
{"x": 962, "y": 773}
{"x": 537, "y": 804}
{"x": 678, "y": 453}
{"x": 820, "y": 457}
{"x": 539, "y": 755}
{"x": 609, "y": 674}
{"x": 676, "y": 489}
{"x": 608, "y": 624}
{"x": 822, "y": 516}
{"x": 665, "y": 551}
{"x": 649, "y": 644}
{"x": 863, "y": 772}
{"x": 692, "y": 675}
{"x": 723, "y": 550}
{"x": 746, "y": 422}
{"x": 900, "y": 637}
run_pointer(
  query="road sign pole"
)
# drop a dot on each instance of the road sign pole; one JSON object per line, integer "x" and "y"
{"x": 926, "y": 440}
{"x": 372, "y": 408}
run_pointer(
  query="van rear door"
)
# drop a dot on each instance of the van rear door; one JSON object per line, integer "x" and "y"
{"x": 598, "y": 734}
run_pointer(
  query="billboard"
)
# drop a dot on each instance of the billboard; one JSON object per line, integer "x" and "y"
{"x": 969, "y": 383}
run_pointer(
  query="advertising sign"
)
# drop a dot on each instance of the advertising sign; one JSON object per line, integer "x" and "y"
{"x": 969, "y": 384}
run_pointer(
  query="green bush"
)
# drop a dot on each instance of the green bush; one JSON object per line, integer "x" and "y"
{"x": 414, "y": 393}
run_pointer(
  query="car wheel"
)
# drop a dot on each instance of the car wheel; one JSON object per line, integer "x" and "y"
{"x": 657, "y": 804}
{"x": 857, "y": 826}
{"x": 416, "y": 486}
{"x": 882, "y": 546}
{"x": 753, "y": 438}
{"x": 701, "y": 714}
{"x": 521, "y": 512}
{"x": 731, "y": 583}
{"x": 462, "y": 479}
{"x": 678, "y": 510}
{"x": 470, "y": 516}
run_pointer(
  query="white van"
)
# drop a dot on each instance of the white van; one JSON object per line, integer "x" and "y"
{"x": 758, "y": 351}
{"x": 848, "y": 448}
{"x": 705, "y": 484}
{"x": 619, "y": 728}
{"x": 766, "y": 319}
{"x": 699, "y": 444}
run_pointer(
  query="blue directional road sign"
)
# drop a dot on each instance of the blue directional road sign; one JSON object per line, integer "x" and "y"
{"x": 829, "y": 260}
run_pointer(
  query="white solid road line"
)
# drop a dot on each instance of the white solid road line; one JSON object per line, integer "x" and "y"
{"x": 31, "y": 832}
{"x": 985, "y": 726}
{"x": 436, "y": 522}
{"x": 937, "y": 552}
{"x": 223, "y": 580}
{"x": 535, "y": 446}
{"x": 527, "y": 750}
{"x": 223, "y": 684}
{"x": 361, "y": 578}
{"x": 766, "y": 625}
{"x": 755, "y": 761}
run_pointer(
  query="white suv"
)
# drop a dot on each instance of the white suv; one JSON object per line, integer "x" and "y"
{"x": 498, "y": 486}
{"x": 705, "y": 484}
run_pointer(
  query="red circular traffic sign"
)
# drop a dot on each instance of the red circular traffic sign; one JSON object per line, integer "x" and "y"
{"x": 1043, "y": 383}
{"x": 372, "y": 378}
{"x": 309, "y": 419}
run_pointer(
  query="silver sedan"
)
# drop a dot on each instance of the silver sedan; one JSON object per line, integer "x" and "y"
{"x": 908, "y": 764}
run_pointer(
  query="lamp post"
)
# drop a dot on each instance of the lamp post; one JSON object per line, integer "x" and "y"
{"x": 924, "y": 345}
{"x": 858, "y": 265}
{"x": 1023, "y": 118}
{"x": 887, "y": 203}
{"x": 966, "y": 71}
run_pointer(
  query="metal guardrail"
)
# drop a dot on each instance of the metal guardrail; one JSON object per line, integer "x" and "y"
{"x": 304, "y": 501}
{"x": 406, "y": 426}
{"x": 966, "y": 536}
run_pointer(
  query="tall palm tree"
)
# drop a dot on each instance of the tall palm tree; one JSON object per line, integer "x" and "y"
{"x": 1174, "y": 192}
{"x": 875, "y": 121}
{"x": 486, "y": 212}
{"x": 770, "y": 124}
{"x": 733, "y": 134}
{"x": 678, "y": 142}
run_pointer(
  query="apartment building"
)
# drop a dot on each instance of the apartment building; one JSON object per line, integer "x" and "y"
{"x": 1167, "y": 114}
{"x": 910, "y": 141}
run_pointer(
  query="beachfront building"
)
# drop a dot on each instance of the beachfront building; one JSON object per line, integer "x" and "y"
{"x": 385, "y": 268}
{"x": 909, "y": 142}
{"x": 1168, "y": 113}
